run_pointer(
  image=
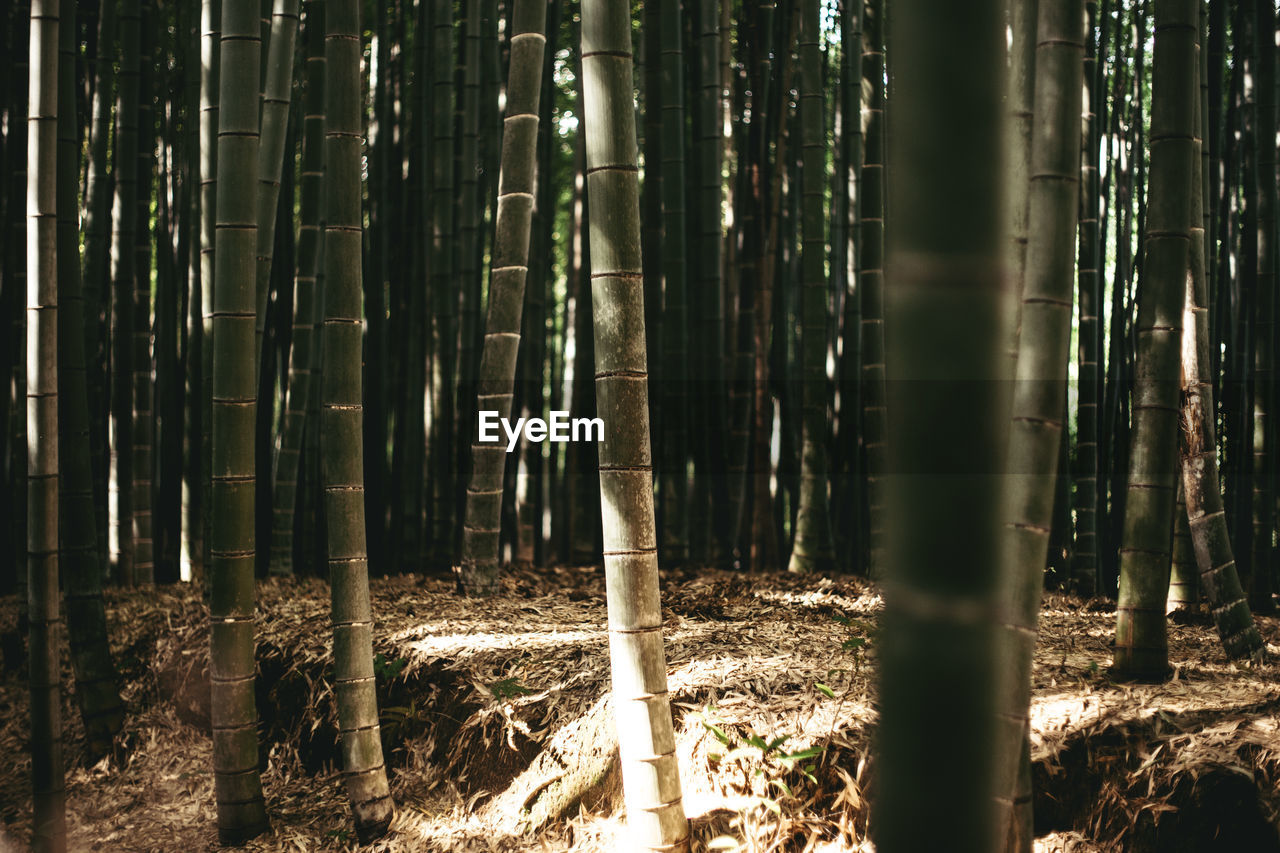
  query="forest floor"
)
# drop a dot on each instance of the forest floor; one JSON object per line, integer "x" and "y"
{"x": 496, "y": 727}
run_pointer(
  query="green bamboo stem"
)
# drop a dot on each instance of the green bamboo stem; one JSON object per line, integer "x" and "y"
{"x": 651, "y": 779}
{"x": 98, "y": 194}
{"x": 1184, "y": 585}
{"x": 443, "y": 297}
{"x": 674, "y": 479}
{"x": 237, "y": 785}
{"x": 405, "y": 489}
{"x": 308, "y": 304}
{"x": 1085, "y": 552}
{"x": 210, "y": 58}
{"x": 1020, "y": 100}
{"x": 142, "y": 466}
{"x": 508, "y": 271}
{"x": 1038, "y": 412}
{"x": 342, "y": 428}
{"x": 96, "y": 693}
{"x": 15, "y": 284}
{"x": 948, "y": 415}
{"x": 469, "y": 245}
{"x": 849, "y": 506}
{"x": 1263, "y": 480}
{"x": 123, "y": 272}
{"x": 275, "y": 122}
{"x": 1141, "y": 650}
{"x": 814, "y": 547}
{"x": 44, "y": 638}
{"x": 764, "y": 528}
{"x": 709, "y": 514}
{"x": 871, "y": 278}
{"x": 190, "y": 529}
{"x": 1200, "y": 488}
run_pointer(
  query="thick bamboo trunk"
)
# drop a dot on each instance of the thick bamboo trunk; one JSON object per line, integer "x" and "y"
{"x": 948, "y": 410}
{"x": 341, "y": 425}
{"x": 1199, "y": 458}
{"x": 1038, "y": 412}
{"x": 1141, "y": 642}
{"x": 237, "y": 785}
{"x": 651, "y": 779}
{"x": 49, "y": 831}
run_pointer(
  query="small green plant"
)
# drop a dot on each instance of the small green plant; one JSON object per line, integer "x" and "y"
{"x": 400, "y": 722}
{"x": 508, "y": 688}
{"x": 860, "y": 632}
{"x": 387, "y": 670}
{"x": 762, "y": 757}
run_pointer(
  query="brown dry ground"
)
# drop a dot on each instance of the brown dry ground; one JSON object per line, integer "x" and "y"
{"x": 497, "y": 735}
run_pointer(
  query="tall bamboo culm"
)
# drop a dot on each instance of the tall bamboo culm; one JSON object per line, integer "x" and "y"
{"x": 308, "y": 303}
{"x": 814, "y": 547}
{"x": 646, "y": 739}
{"x": 141, "y": 359}
{"x": 342, "y": 428}
{"x": 1264, "y": 355}
{"x": 44, "y": 638}
{"x": 1201, "y": 492}
{"x": 271, "y": 151}
{"x": 508, "y": 272}
{"x": 871, "y": 278}
{"x": 96, "y": 693}
{"x": 123, "y": 273}
{"x": 1142, "y": 650}
{"x": 97, "y": 251}
{"x": 674, "y": 466}
{"x": 237, "y": 786}
{"x": 443, "y": 294}
{"x": 948, "y": 409}
{"x": 210, "y": 56}
{"x": 1084, "y": 558}
{"x": 1039, "y": 395}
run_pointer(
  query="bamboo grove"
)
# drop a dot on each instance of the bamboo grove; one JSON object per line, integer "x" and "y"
{"x": 264, "y": 264}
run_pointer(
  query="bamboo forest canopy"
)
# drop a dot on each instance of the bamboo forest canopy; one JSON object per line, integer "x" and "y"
{"x": 946, "y": 319}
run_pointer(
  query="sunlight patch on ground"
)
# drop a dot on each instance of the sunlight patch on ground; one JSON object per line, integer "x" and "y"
{"x": 450, "y": 645}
